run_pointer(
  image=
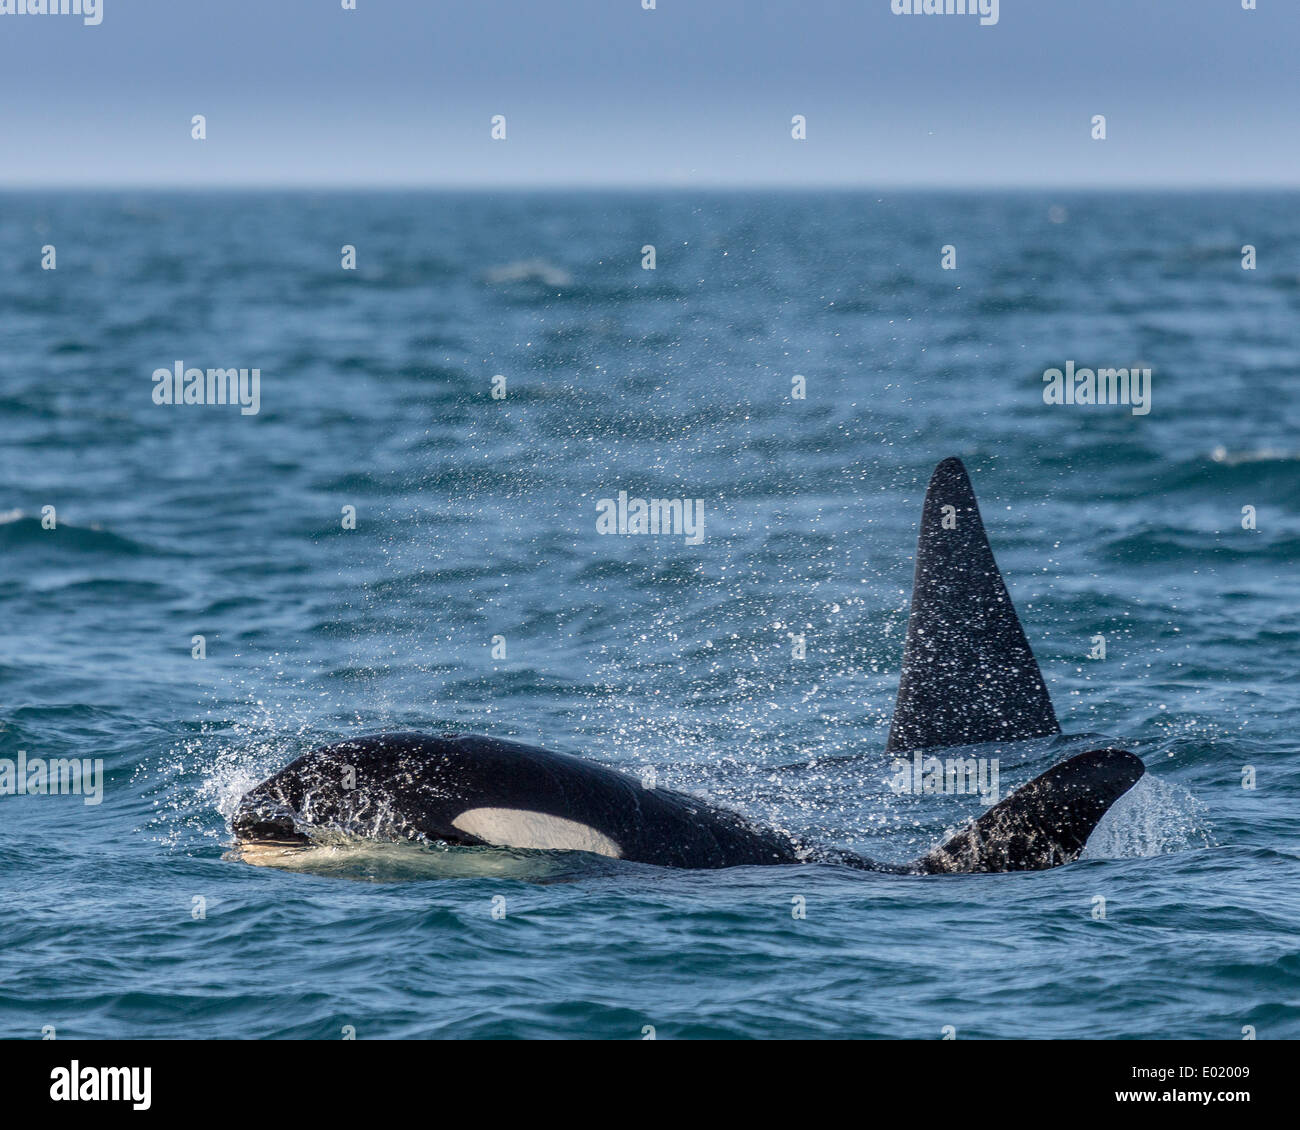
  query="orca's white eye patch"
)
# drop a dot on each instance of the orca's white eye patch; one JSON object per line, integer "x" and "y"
{"x": 520, "y": 828}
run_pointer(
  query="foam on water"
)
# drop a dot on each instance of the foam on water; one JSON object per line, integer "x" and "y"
{"x": 1154, "y": 817}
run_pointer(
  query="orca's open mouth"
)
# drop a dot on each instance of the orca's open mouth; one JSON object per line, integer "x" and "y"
{"x": 254, "y": 824}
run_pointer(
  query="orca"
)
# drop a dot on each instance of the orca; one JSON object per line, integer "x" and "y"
{"x": 969, "y": 676}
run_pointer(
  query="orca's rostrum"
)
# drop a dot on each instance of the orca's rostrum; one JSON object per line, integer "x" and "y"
{"x": 969, "y": 676}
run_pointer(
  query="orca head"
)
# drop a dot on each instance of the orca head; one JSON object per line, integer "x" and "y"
{"x": 459, "y": 789}
{"x": 377, "y": 787}
{"x": 263, "y": 821}
{"x": 272, "y": 813}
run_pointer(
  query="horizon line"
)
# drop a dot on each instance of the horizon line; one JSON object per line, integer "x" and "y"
{"x": 657, "y": 186}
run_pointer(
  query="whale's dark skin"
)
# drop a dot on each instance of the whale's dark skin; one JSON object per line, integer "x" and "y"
{"x": 410, "y": 786}
{"x": 969, "y": 677}
{"x": 413, "y": 787}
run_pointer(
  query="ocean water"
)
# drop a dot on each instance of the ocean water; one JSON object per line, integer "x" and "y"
{"x": 476, "y": 518}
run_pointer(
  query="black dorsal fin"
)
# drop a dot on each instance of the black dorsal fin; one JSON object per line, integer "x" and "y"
{"x": 1045, "y": 823}
{"x": 968, "y": 672}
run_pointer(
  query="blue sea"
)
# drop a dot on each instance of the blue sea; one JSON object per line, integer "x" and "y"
{"x": 474, "y": 593}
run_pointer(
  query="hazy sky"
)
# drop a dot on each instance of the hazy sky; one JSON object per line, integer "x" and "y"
{"x": 1196, "y": 92}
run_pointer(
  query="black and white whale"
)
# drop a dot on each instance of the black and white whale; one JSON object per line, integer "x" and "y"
{"x": 969, "y": 676}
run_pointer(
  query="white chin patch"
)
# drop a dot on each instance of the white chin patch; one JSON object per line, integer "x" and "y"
{"x": 519, "y": 828}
